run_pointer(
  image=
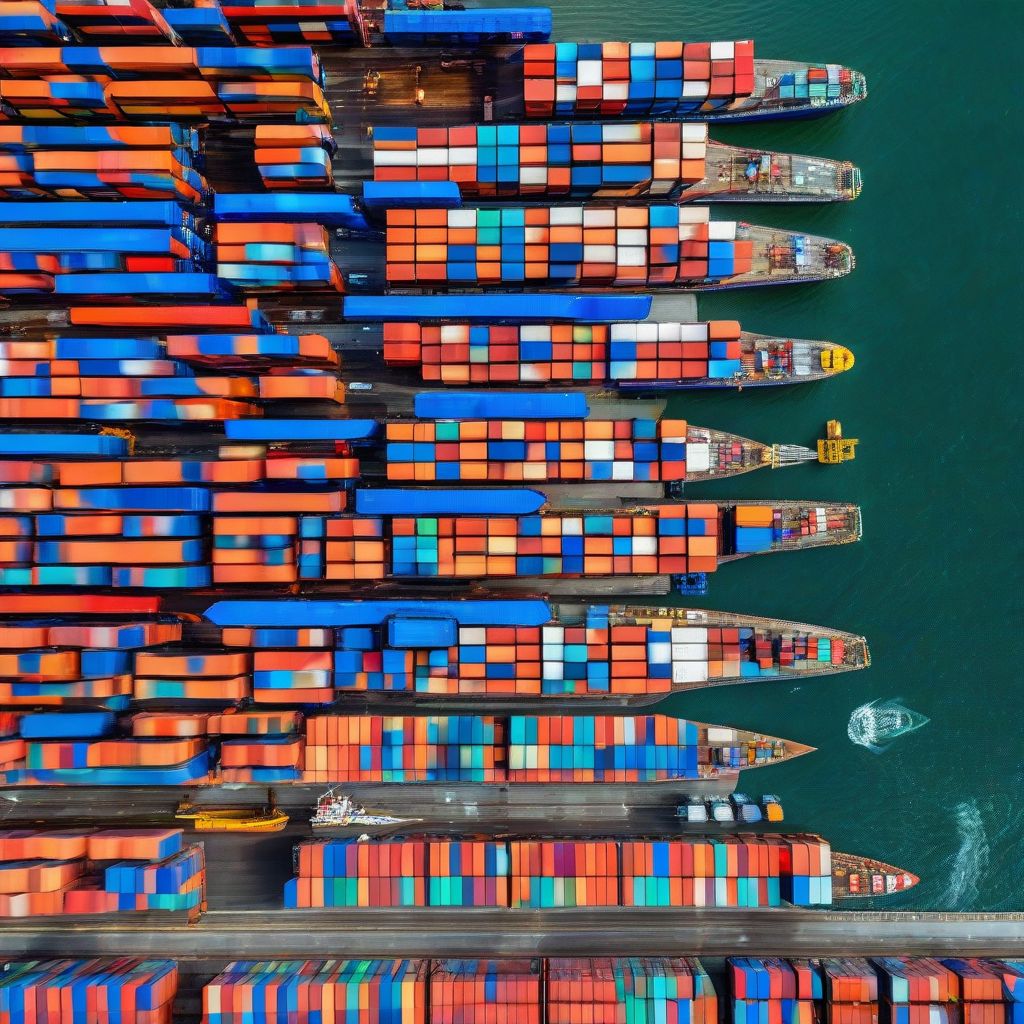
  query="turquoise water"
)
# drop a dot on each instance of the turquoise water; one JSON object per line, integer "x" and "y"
{"x": 933, "y": 313}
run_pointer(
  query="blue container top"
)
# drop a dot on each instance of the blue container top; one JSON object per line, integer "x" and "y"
{"x": 530, "y": 405}
{"x": 134, "y": 212}
{"x": 300, "y": 430}
{"x": 412, "y": 193}
{"x": 58, "y": 445}
{"x": 332, "y": 209}
{"x": 66, "y": 725}
{"x": 412, "y": 501}
{"x": 300, "y": 613}
{"x": 503, "y": 307}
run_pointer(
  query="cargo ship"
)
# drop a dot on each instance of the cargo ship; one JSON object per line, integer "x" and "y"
{"x": 59, "y": 365}
{"x": 568, "y": 438}
{"x": 421, "y": 870}
{"x": 73, "y": 662}
{"x": 280, "y": 747}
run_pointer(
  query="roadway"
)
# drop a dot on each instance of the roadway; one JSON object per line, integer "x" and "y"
{"x": 474, "y": 932}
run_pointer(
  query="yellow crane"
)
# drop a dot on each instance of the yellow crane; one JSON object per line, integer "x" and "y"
{"x": 834, "y": 448}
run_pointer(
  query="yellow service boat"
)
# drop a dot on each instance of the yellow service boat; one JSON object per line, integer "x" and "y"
{"x": 232, "y": 819}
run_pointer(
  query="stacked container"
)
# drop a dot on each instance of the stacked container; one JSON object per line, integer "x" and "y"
{"x": 654, "y": 158}
{"x": 348, "y": 873}
{"x": 283, "y": 991}
{"x": 919, "y": 991}
{"x": 772, "y": 991}
{"x": 566, "y": 246}
{"x": 485, "y": 992}
{"x": 712, "y": 354}
{"x": 42, "y": 161}
{"x": 981, "y": 990}
{"x": 851, "y": 991}
{"x": 83, "y": 991}
{"x": 294, "y": 156}
{"x": 74, "y": 872}
{"x": 675, "y": 990}
{"x": 740, "y": 871}
{"x": 142, "y": 82}
{"x": 548, "y": 873}
{"x": 612, "y": 79}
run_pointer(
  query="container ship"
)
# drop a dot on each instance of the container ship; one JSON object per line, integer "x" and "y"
{"x": 566, "y": 438}
{"x": 281, "y": 747}
{"x": 384, "y": 344}
{"x": 67, "y": 651}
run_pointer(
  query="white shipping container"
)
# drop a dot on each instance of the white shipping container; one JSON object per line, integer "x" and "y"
{"x": 693, "y": 332}
{"x": 689, "y": 635}
{"x": 631, "y": 236}
{"x": 632, "y": 256}
{"x": 534, "y": 332}
{"x": 460, "y": 156}
{"x": 694, "y": 214}
{"x": 589, "y": 72}
{"x": 432, "y": 157}
{"x": 668, "y": 332}
{"x": 722, "y": 230}
{"x": 452, "y": 334}
{"x": 394, "y": 158}
{"x": 615, "y": 91}
{"x": 623, "y": 332}
{"x": 462, "y": 218}
{"x": 563, "y": 215}
{"x": 645, "y": 545}
{"x": 598, "y": 217}
{"x": 596, "y": 451}
{"x": 621, "y": 133}
{"x": 695, "y": 133}
{"x": 646, "y": 332}
{"x": 533, "y": 175}
{"x": 599, "y": 253}
{"x": 472, "y": 635}
{"x": 723, "y": 51}
{"x": 689, "y": 671}
{"x": 690, "y": 652}
{"x": 698, "y": 457}
{"x": 719, "y": 734}
{"x": 565, "y": 93}
{"x": 696, "y": 90}
{"x": 622, "y": 471}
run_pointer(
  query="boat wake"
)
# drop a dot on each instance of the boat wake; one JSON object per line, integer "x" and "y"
{"x": 873, "y": 724}
{"x": 972, "y": 856}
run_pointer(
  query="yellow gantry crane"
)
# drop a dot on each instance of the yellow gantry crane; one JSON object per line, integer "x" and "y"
{"x": 834, "y": 448}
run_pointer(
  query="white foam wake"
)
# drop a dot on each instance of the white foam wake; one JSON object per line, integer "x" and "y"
{"x": 873, "y": 724}
{"x": 972, "y": 856}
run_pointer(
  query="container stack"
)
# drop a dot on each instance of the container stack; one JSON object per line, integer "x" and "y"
{"x": 283, "y": 991}
{"x": 667, "y": 989}
{"x": 485, "y": 992}
{"x": 96, "y": 162}
{"x": 615, "y": 79}
{"x": 565, "y": 246}
{"x": 79, "y": 991}
{"x": 546, "y": 874}
{"x": 919, "y": 991}
{"x": 294, "y": 155}
{"x": 1013, "y": 990}
{"x": 851, "y": 991}
{"x": 773, "y": 991}
{"x": 485, "y": 161}
{"x": 740, "y": 871}
{"x": 140, "y": 83}
{"x": 655, "y": 355}
{"x": 348, "y": 873}
{"x": 46, "y": 874}
{"x": 981, "y": 990}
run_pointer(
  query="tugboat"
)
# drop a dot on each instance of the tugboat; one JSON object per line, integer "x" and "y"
{"x": 334, "y": 810}
{"x": 233, "y": 819}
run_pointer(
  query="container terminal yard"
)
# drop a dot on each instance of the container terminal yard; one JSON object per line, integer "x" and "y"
{"x": 342, "y": 490}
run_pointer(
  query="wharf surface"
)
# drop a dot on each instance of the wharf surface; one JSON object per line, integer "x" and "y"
{"x": 476, "y": 932}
